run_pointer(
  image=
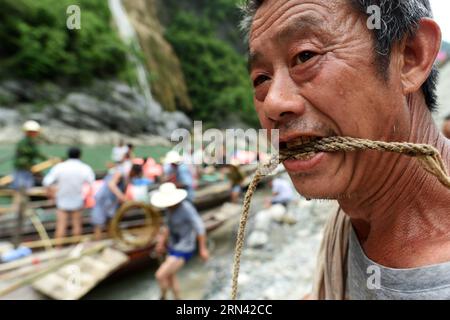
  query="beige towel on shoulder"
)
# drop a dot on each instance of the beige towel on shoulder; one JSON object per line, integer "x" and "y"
{"x": 331, "y": 271}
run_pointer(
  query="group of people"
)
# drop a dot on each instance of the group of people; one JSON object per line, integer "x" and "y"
{"x": 183, "y": 227}
{"x": 66, "y": 180}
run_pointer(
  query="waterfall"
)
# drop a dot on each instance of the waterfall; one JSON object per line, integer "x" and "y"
{"x": 130, "y": 38}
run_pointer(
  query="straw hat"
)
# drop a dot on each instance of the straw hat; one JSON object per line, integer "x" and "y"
{"x": 31, "y": 126}
{"x": 172, "y": 157}
{"x": 167, "y": 196}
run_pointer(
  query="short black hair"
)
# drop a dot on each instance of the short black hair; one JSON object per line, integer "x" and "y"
{"x": 74, "y": 153}
{"x": 136, "y": 170}
{"x": 447, "y": 118}
{"x": 400, "y": 18}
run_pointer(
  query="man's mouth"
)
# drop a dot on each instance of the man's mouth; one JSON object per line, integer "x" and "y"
{"x": 300, "y": 145}
{"x": 299, "y": 157}
{"x": 300, "y": 141}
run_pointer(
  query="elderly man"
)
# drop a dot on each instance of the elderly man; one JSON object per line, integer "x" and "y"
{"x": 320, "y": 68}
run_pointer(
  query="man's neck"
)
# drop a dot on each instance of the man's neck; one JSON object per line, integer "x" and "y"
{"x": 405, "y": 218}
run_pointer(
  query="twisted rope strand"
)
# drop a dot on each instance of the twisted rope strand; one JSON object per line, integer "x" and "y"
{"x": 428, "y": 157}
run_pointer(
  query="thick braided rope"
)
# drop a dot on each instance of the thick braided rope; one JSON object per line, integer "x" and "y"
{"x": 428, "y": 156}
{"x": 259, "y": 174}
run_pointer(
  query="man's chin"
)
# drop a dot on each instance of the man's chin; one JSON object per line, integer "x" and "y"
{"x": 315, "y": 188}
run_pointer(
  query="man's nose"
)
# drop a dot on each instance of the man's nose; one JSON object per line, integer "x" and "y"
{"x": 283, "y": 100}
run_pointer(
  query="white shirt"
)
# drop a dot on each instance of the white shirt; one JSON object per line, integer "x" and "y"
{"x": 283, "y": 190}
{"x": 118, "y": 153}
{"x": 70, "y": 176}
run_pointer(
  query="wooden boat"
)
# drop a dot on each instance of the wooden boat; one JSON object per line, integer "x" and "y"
{"x": 122, "y": 256}
{"x": 208, "y": 195}
{"x": 65, "y": 275}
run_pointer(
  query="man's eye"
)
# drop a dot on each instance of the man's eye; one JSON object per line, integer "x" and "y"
{"x": 304, "y": 56}
{"x": 260, "y": 80}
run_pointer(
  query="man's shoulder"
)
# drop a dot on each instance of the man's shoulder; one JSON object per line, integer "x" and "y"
{"x": 183, "y": 167}
{"x": 72, "y": 164}
{"x": 189, "y": 207}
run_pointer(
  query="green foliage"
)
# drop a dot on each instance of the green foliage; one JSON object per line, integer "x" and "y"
{"x": 36, "y": 44}
{"x": 222, "y": 15}
{"x": 216, "y": 74}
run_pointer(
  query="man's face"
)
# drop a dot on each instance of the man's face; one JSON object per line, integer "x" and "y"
{"x": 32, "y": 134}
{"x": 312, "y": 67}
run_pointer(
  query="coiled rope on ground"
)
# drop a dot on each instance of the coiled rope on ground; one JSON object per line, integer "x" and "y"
{"x": 152, "y": 222}
{"x": 427, "y": 155}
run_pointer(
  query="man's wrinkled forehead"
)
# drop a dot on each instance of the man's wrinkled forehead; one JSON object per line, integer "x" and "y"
{"x": 275, "y": 12}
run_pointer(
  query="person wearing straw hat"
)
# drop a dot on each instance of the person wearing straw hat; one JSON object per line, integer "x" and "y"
{"x": 183, "y": 226}
{"x": 27, "y": 155}
{"x": 179, "y": 173}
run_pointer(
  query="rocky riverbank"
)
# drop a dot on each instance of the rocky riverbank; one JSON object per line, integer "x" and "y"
{"x": 63, "y": 135}
{"x": 283, "y": 268}
{"x": 97, "y": 113}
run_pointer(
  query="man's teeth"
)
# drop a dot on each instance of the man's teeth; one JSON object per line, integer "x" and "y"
{"x": 306, "y": 156}
{"x": 300, "y": 141}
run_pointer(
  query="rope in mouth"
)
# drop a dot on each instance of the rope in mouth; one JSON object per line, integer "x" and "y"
{"x": 427, "y": 155}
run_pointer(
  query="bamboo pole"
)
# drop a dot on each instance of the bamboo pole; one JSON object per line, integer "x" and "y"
{"x": 34, "y": 169}
{"x": 57, "y": 242}
{"x": 36, "y": 258}
{"x": 31, "y": 278}
{"x": 21, "y": 200}
{"x": 74, "y": 239}
{"x": 40, "y": 229}
{"x": 49, "y": 204}
{"x": 23, "y": 271}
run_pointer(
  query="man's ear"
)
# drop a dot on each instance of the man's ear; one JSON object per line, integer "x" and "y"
{"x": 419, "y": 54}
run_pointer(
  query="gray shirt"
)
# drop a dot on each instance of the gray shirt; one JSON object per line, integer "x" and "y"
{"x": 368, "y": 280}
{"x": 184, "y": 225}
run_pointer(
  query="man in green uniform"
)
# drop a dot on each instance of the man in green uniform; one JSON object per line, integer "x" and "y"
{"x": 27, "y": 155}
